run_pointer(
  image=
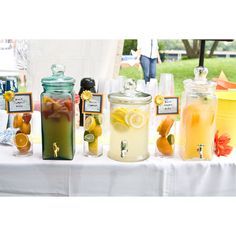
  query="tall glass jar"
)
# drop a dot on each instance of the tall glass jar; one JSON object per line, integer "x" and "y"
{"x": 93, "y": 140}
{"x": 129, "y": 123}
{"x": 197, "y": 125}
{"x": 57, "y": 115}
{"x": 23, "y": 145}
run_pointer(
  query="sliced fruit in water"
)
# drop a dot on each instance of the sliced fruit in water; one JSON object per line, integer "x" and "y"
{"x": 27, "y": 117}
{"x": 47, "y": 99}
{"x": 136, "y": 119}
{"x": 25, "y": 149}
{"x": 120, "y": 127}
{"x": 25, "y": 128}
{"x": 97, "y": 131}
{"x": 171, "y": 139}
{"x": 21, "y": 140}
{"x": 163, "y": 146}
{"x": 93, "y": 147}
{"x": 90, "y": 123}
{"x": 18, "y": 121}
{"x": 68, "y": 104}
{"x": 98, "y": 119}
{"x": 165, "y": 126}
{"x": 118, "y": 115}
{"x": 89, "y": 138}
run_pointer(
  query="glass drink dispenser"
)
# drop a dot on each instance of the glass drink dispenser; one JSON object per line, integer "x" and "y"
{"x": 57, "y": 115}
{"x": 129, "y": 122}
{"x": 197, "y": 125}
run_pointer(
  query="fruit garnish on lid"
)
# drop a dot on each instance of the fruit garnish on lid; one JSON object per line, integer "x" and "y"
{"x": 159, "y": 100}
{"x": 221, "y": 144}
{"x": 86, "y": 95}
{"x": 9, "y": 95}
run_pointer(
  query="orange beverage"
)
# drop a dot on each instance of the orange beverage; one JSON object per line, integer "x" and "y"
{"x": 198, "y": 115}
{"x": 198, "y": 128}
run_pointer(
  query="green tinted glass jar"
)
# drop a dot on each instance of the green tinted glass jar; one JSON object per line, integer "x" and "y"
{"x": 57, "y": 115}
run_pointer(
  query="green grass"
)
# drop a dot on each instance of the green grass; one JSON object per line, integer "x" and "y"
{"x": 184, "y": 70}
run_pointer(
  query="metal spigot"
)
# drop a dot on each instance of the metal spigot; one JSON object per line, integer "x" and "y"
{"x": 123, "y": 148}
{"x": 200, "y": 150}
{"x": 56, "y": 149}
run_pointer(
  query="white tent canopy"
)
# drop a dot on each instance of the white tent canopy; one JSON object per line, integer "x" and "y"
{"x": 99, "y": 59}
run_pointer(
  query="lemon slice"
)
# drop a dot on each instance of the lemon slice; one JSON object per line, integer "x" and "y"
{"x": 159, "y": 100}
{"x": 89, "y": 123}
{"x": 136, "y": 119}
{"x": 9, "y": 95}
{"x": 86, "y": 95}
{"x": 89, "y": 138}
{"x": 118, "y": 115}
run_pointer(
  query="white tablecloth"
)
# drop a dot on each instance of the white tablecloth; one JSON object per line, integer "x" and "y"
{"x": 104, "y": 177}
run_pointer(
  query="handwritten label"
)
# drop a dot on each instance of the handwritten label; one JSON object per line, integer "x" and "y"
{"x": 22, "y": 102}
{"x": 170, "y": 106}
{"x": 94, "y": 105}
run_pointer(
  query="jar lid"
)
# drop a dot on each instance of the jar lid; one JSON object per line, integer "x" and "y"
{"x": 58, "y": 78}
{"x": 200, "y": 81}
{"x": 130, "y": 95}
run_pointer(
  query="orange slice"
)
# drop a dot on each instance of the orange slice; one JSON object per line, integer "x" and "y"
{"x": 165, "y": 126}
{"x": 17, "y": 122}
{"x": 164, "y": 147}
{"x": 25, "y": 128}
{"x": 21, "y": 140}
{"x": 25, "y": 149}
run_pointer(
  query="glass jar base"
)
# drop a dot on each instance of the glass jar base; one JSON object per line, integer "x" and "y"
{"x": 19, "y": 154}
{"x": 92, "y": 155}
{"x": 58, "y": 159}
{"x": 130, "y": 159}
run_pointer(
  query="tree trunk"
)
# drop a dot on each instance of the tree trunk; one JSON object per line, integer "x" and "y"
{"x": 213, "y": 48}
{"x": 192, "y": 52}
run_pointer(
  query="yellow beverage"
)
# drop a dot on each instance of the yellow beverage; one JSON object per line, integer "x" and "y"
{"x": 197, "y": 130}
{"x": 129, "y": 128}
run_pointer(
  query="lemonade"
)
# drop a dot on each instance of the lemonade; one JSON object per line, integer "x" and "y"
{"x": 129, "y": 127}
{"x": 197, "y": 125}
{"x": 198, "y": 128}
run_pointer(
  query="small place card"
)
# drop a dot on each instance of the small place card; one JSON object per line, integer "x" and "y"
{"x": 22, "y": 102}
{"x": 169, "y": 107}
{"x": 94, "y": 105}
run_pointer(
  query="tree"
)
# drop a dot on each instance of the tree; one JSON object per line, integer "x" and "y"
{"x": 194, "y": 49}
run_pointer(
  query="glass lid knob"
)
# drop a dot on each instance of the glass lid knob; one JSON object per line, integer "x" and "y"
{"x": 200, "y": 73}
{"x": 57, "y": 69}
{"x": 129, "y": 86}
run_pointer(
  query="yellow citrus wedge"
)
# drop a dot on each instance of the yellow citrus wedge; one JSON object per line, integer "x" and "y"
{"x": 89, "y": 124}
{"x": 9, "y": 95}
{"x": 136, "y": 119}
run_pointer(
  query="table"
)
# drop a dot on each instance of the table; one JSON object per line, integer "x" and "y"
{"x": 104, "y": 177}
